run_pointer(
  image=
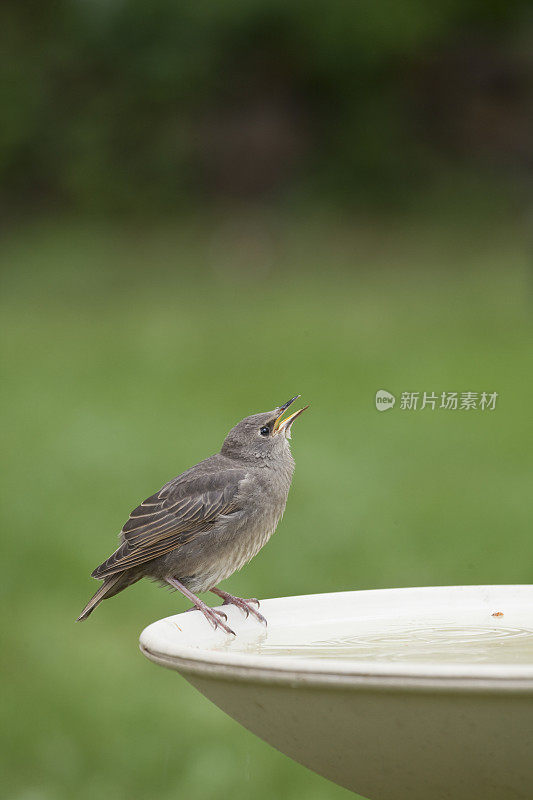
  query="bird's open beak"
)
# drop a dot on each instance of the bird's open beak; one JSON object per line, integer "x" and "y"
{"x": 284, "y": 425}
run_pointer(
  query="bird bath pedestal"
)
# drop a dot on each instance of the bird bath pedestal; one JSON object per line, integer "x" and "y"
{"x": 397, "y": 694}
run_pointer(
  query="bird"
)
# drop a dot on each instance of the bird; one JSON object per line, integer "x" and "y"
{"x": 210, "y": 520}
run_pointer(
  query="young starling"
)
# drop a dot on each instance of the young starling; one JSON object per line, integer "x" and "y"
{"x": 210, "y": 520}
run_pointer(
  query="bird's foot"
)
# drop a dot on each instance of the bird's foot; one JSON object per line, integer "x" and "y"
{"x": 214, "y": 610}
{"x": 244, "y": 604}
{"x": 213, "y": 615}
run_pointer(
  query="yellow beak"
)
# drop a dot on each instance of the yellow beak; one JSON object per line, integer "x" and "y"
{"x": 285, "y": 424}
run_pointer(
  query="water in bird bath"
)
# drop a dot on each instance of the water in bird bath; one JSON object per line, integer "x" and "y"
{"x": 472, "y": 639}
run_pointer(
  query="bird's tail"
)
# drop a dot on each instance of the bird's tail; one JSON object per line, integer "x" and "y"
{"x": 111, "y": 585}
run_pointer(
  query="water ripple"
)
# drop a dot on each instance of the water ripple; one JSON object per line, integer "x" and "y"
{"x": 445, "y": 643}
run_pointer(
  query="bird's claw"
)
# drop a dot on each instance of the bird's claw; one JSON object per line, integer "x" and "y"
{"x": 243, "y": 600}
{"x": 214, "y": 610}
{"x": 211, "y": 616}
{"x": 244, "y": 605}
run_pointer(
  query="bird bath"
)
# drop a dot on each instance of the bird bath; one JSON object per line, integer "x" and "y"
{"x": 397, "y": 694}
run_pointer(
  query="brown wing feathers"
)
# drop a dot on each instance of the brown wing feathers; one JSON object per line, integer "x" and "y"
{"x": 167, "y": 520}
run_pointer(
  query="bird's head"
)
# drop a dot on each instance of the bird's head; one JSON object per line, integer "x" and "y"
{"x": 262, "y": 437}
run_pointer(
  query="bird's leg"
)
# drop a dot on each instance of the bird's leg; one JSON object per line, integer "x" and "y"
{"x": 211, "y": 614}
{"x": 245, "y": 605}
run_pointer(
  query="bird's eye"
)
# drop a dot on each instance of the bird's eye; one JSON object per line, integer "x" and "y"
{"x": 264, "y": 431}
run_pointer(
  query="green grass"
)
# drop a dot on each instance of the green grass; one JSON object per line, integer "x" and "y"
{"x": 128, "y": 354}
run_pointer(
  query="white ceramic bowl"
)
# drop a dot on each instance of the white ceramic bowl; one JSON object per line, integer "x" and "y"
{"x": 398, "y": 694}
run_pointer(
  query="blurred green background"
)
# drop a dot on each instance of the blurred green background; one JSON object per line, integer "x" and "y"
{"x": 207, "y": 209}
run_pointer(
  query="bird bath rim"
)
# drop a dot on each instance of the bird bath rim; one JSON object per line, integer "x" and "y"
{"x": 186, "y": 643}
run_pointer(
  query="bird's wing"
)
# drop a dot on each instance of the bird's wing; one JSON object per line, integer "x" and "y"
{"x": 174, "y": 516}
